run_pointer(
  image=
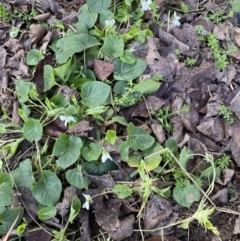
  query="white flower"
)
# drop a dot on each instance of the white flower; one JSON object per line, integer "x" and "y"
{"x": 67, "y": 119}
{"x": 175, "y": 19}
{"x": 110, "y": 23}
{"x": 105, "y": 156}
{"x": 88, "y": 199}
{"x": 146, "y": 4}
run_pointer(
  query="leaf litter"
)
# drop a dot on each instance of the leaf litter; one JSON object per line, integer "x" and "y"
{"x": 178, "y": 77}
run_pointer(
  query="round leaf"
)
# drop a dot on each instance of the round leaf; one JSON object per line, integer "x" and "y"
{"x": 128, "y": 72}
{"x": 146, "y": 87}
{"x": 92, "y": 153}
{"x": 186, "y": 195}
{"x": 94, "y": 93}
{"x": 67, "y": 148}
{"x": 47, "y": 213}
{"x": 32, "y": 130}
{"x": 97, "y": 6}
{"x": 139, "y": 139}
{"x": 48, "y": 189}
{"x": 122, "y": 191}
{"x": 34, "y": 56}
{"x": 113, "y": 46}
{"x": 76, "y": 178}
{"x": 98, "y": 169}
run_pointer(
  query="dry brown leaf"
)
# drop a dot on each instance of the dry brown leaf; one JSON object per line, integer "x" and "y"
{"x": 158, "y": 64}
{"x": 102, "y": 69}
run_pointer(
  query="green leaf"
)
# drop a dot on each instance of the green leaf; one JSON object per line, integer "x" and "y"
{"x": 236, "y": 6}
{"x": 122, "y": 191}
{"x": 5, "y": 191}
{"x": 76, "y": 178}
{"x": 186, "y": 195}
{"x": 47, "y": 213}
{"x": 134, "y": 160}
{"x": 64, "y": 70}
{"x": 128, "y": 57}
{"x": 185, "y": 156}
{"x": 92, "y": 152}
{"x": 128, "y": 72}
{"x": 3, "y": 129}
{"x": 146, "y": 87}
{"x": 154, "y": 158}
{"x": 98, "y": 169}
{"x": 48, "y": 77}
{"x": 34, "y": 56}
{"x": 95, "y": 93}
{"x": 12, "y": 147}
{"x": 67, "y": 148}
{"x": 32, "y": 130}
{"x": 208, "y": 173}
{"x": 105, "y": 15}
{"x": 97, "y": 6}
{"x": 120, "y": 119}
{"x": 58, "y": 101}
{"x": 68, "y": 46}
{"x": 87, "y": 17}
{"x": 81, "y": 28}
{"x": 8, "y": 217}
{"x": 22, "y": 89}
{"x": 172, "y": 145}
{"x": 21, "y": 229}
{"x": 48, "y": 189}
{"x": 75, "y": 208}
{"x": 111, "y": 136}
{"x": 113, "y": 46}
{"x": 23, "y": 175}
{"x": 124, "y": 150}
{"x": 139, "y": 139}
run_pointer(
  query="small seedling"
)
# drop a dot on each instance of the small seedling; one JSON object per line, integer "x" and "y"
{"x": 227, "y": 114}
{"x": 223, "y": 162}
{"x": 190, "y": 62}
{"x": 178, "y": 52}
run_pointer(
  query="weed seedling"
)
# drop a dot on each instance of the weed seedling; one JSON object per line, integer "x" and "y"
{"x": 227, "y": 114}
{"x": 223, "y": 162}
{"x": 190, "y": 62}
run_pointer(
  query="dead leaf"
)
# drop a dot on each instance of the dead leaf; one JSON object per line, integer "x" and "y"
{"x": 158, "y": 64}
{"x": 38, "y": 74}
{"x": 156, "y": 211}
{"x": 235, "y": 143}
{"x": 38, "y": 235}
{"x": 68, "y": 92}
{"x": 165, "y": 238}
{"x": 81, "y": 127}
{"x": 107, "y": 215}
{"x": 102, "y": 69}
{"x": 190, "y": 120}
{"x": 37, "y": 31}
{"x": 236, "y": 229}
{"x": 223, "y": 31}
{"x": 30, "y": 204}
{"x": 85, "y": 225}
{"x": 104, "y": 181}
{"x": 221, "y": 195}
{"x": 213, "y": 128}
{"x": 125, "y": 228}
{"x": 158, "y": 132}
{"x": 187, "y": 35}
{"x": 227, "y": 177}
{"x": 3, "y": 55}
{"x": 64, "y": 205}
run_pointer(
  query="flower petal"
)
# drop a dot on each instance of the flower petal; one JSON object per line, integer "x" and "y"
{"x": 86, "y": 205}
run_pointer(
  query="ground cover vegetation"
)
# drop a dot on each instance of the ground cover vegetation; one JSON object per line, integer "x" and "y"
{"x": 119, "y": 120}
